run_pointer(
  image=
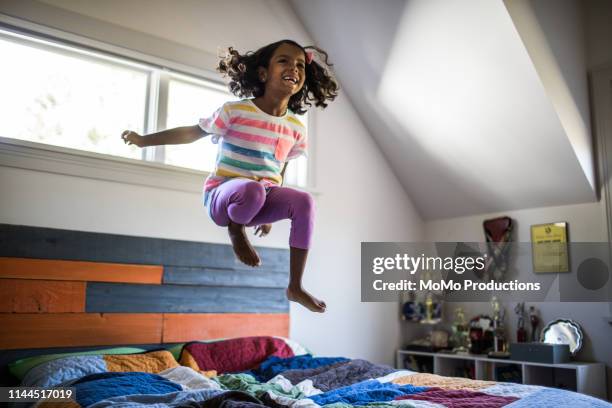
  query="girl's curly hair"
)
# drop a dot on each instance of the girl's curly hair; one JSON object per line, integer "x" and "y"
{"x": 242, "y": 69}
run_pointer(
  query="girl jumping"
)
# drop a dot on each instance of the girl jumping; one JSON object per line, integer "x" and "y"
{"x": 258, "y": 136}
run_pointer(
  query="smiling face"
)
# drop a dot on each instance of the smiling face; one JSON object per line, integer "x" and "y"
{"x": 286, "y": 71}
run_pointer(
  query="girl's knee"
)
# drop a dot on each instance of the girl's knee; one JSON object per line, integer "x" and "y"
{"x": 304, "y": 203}
{"x": 253, "y": 192}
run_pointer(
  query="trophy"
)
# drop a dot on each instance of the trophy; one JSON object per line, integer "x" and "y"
{"x": 499, "y": 341}
{"x": 521, "y": 333}
{"x": 461, "y": 339}
{"x": 535, "y": 322}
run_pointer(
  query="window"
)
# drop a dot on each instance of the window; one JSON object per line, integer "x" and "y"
{"x": 297, "y": 169}
{"x": 58, "y": 96}
{"x": 189, "y": 100}
{"x": 76, "y": 98}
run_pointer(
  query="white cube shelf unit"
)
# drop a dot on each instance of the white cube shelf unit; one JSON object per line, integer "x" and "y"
{"x": 585, "y": 378}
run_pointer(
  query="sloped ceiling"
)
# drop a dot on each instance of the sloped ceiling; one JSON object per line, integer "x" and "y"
{"x": 472, "y": 115}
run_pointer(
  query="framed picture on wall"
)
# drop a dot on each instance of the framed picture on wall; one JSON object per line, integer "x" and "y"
{"x": 549, "y": 248}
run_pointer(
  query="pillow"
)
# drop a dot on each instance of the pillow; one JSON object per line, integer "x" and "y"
{"x": 298, "y": 349}
{"x": 21, "y": 367}
{"x": 176, "y": 350}
{"x": 54, "y": 372}
{"x": 233, "y": 355}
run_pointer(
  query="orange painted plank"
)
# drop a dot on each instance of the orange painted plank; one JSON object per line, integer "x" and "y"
{"x": 51, "y": 269}
{"x": 180, "y": 327}
{"x": 41, "y": 296}
{"x": 33, "y": 330}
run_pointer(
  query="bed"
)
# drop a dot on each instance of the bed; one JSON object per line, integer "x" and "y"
{"x": 145, "y": 322}
{"x": 263, "y": 371}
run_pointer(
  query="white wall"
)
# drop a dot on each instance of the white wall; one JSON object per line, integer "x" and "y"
{"x": 360, "y": 201}
{"x": 553, "y": 34}
{"x": 445, "y": 87}
{"x": 586, "y": 223}
{"x": 359, "y": 197}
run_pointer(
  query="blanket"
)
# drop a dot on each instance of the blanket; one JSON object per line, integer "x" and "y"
{"x": 309, "y": 382}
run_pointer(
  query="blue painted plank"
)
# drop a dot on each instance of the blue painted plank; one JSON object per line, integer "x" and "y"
{"x": 48, "y": 243}
{"x": 135, "y": 298}
{"x": 255, "y": 278}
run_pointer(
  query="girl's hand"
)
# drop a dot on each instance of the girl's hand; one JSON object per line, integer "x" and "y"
{"x": 129, "y": 137}
{"x": 263, "y": 230}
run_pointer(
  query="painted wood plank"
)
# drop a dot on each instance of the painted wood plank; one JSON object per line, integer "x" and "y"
{"x": 254, "y": 278}
{"x": 24, "y": 268}
{"x": 19, "y": 331}
{"x": 41, "y": 296}
{"x": 188, "y": 327}
{"x": 131, "y": 298}
{"x": 48, "y": 243}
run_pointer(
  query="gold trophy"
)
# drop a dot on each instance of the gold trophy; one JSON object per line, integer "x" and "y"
{"x": 461, "y": 338}
{"x": 499, "y": 341}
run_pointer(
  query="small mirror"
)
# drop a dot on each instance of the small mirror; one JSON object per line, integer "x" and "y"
{"x": 563, "y": 331}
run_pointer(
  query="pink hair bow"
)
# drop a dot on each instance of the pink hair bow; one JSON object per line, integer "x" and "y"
{"x": 309, "y": 57}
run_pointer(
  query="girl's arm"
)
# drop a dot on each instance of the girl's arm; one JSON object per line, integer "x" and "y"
{"x": 283, "y": 173}
{"x": 179, "y": 135}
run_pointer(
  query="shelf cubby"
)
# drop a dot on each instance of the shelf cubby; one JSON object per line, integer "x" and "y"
{"x": 583, "y": 377}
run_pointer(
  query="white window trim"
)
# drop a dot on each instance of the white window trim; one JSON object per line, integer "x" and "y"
{"x": 79, "y": 163}
{"x": 28, "y": 155}
{"x": 65, "y": 38}
{"x": 72, "y": 162}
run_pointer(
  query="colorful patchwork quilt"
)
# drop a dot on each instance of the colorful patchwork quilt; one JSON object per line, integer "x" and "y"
{"x": 262, "y": 372}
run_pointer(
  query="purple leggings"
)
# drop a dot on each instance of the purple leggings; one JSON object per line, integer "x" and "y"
{"x": 246, "y": 202}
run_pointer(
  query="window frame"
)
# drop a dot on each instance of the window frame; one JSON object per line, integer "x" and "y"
{"x": 167, "y": 77}
{"x": 148, "y": 171}
{"x": 97, "y": 57}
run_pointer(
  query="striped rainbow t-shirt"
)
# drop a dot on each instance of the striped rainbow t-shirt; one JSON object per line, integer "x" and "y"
{"x": 253, "y": 144}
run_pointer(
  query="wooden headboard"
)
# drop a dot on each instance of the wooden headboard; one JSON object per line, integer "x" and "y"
{"x": 61, "y": 288}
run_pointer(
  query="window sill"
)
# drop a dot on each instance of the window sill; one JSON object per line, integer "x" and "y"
{"x": 60, "y": 160}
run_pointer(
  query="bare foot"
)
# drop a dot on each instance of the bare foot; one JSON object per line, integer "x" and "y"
{"x": 306, "y": 299}
{"x": 242, "y": 247}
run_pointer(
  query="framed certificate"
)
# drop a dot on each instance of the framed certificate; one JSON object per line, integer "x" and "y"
{"x": 549, "y": 248}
